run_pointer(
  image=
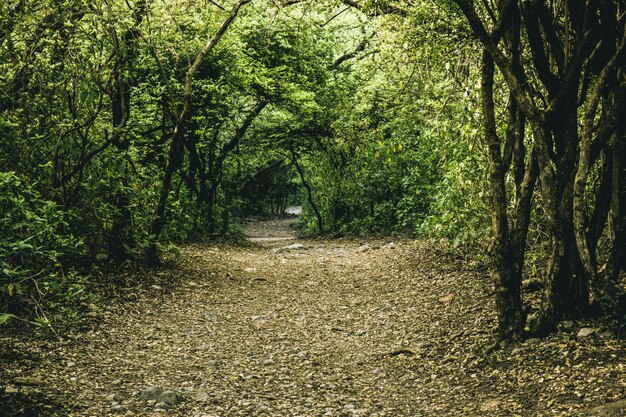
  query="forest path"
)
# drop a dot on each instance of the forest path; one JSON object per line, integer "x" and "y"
{"x": 329, "y": 328}
{"x": 271, "y": 230}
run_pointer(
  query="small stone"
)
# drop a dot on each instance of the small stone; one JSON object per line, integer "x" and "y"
{"x": 295, "y": 246}
{"x": 585, "y": 331}
{"x": 162, "y": 406}
{"x": 70, "y": 364}
{"x": 150, "y": 393}
{"x": 202, "y": 396}
{"x": 119, "y": 408}
{"x": 567, "y": 324}
{"x": 363, "y": 248}
{"x": 212, "y": 317}
{"x": 268, "y": 362}
{"x": 446, "y": 298}
{"x": 170, "y": 398}
{"x": 28, "y": 380}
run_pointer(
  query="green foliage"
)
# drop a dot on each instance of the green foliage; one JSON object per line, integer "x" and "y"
{"x": 286, "y": 57}
{"x": 399, "y": 152}
{"x": 379, "y": 111}
{"x": 5, "y": 317}
{"x": 37, "y": 249}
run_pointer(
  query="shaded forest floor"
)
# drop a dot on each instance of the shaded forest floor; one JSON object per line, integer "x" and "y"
{"x": 289, "y": 327}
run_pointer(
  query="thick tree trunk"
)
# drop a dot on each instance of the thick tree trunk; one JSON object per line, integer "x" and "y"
{"x": 507, "y": 282}
{"x": 565, "y": 61}
{"x": 554, "y": 191}
{"x": 566, "y": 289}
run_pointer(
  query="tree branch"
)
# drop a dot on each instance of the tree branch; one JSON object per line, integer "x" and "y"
{"x": 349, "y": 55}
{"x": 387, "y": 9}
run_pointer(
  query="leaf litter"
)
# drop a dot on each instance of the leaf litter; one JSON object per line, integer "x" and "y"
{"x": 325, "y": 329}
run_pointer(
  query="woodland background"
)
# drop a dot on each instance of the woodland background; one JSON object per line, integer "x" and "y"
{"x": 130, "y": 127}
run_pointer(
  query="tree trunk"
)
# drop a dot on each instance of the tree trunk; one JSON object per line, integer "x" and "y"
{"x": 564, "y": 62}
{"x": 212, "y": 221}
{"x": 120, "y": 237}
{"x": 566, "y": 289}
{"x": 175, "y": 154}
{"x": 617, "y": 259}
{"x": 309, "y": 192}
{"x": 507, "y": 283}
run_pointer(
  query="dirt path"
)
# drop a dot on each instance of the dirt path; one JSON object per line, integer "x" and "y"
{"x": 330, "y": 328}
{"x": 270, "y": 231}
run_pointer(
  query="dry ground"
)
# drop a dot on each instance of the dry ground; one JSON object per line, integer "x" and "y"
{"x": 334, "y": 328}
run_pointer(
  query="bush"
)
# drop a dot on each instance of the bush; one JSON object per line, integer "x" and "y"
{"x": 35, "y": 244}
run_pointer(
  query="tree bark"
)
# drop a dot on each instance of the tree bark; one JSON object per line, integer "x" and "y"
{"x": 553, "y": 122}
{"x": 309, "y": 191}
{"x": 120, "y": 237}
{"x": 617, "y": 258}
{"x": 507, "y": 283}
{"x": 581, "y": 223}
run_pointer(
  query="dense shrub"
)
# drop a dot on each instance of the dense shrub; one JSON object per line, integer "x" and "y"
{"x": 36, "y": 249}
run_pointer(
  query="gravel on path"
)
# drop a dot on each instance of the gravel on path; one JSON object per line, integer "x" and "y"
{"x": 328, "y": 328}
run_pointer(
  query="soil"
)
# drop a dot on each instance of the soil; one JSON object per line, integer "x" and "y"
{"x": 284, "y": 326}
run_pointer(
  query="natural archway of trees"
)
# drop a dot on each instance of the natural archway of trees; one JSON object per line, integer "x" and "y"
{"x": 129, "y": 126}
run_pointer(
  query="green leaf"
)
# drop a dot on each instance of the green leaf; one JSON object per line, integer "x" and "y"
{"x": 40, "y": 322}
{"x": 4, "y": 317}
